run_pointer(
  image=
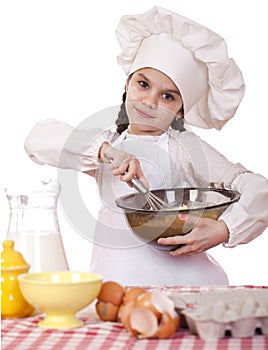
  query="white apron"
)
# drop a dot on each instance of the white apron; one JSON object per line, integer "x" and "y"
{"x": 117, "y": 254}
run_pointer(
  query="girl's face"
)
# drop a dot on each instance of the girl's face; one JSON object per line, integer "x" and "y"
{"x": 152, "y": 102}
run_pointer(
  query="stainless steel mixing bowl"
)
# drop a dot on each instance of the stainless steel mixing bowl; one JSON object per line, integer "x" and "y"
{"x": 149, "y": 225}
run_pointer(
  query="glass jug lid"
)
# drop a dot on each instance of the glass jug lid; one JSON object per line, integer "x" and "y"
{"x": 40, "y": 194}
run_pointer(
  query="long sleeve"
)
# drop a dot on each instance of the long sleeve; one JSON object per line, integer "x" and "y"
{"x": 56, "y": 143}
{"x": 245, "y": 219}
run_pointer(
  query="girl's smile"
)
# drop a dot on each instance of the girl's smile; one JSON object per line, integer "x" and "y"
{"x": 152, "y": 102}
{"x": 143, "y": 113}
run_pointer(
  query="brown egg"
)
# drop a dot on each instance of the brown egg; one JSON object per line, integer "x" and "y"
{"x": 145, "y": 300}
{"x": 162, "y": 302}
{"x": 111, "y": 292}
{"x": 168, "y": 326}
{"x": 143, "y": 321}
{"x": 131, "y": 293}
{"x": 143, "y": 314}
{"x": 124, "y": 315}
{"x": 151, "y": 315}
{"x": 107, "y": 311}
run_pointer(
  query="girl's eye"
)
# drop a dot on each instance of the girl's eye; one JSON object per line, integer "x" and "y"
{"x": 167, "y": 96}
{"x": 143, "y": 84}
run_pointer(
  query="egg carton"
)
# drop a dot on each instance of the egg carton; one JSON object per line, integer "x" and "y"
{"x": 238, "y": 312}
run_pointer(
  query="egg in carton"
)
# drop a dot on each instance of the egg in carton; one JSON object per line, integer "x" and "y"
{"x": 210, "y": 315}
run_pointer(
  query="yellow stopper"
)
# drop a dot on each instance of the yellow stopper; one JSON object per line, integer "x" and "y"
{"x": 10, "y": 258}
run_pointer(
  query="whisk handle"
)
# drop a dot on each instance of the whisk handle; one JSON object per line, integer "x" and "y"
{"x": 138, "y": 185}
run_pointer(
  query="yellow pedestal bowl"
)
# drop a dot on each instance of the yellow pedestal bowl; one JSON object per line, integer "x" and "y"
{"x": 60, "y": 295}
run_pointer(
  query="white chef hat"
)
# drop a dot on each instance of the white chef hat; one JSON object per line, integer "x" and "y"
{"x": 194, "y": 57}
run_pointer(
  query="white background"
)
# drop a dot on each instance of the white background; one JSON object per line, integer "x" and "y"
{"x": 58, "y": 60}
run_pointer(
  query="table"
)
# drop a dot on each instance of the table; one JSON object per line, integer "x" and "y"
{"x": 24, "y": 334}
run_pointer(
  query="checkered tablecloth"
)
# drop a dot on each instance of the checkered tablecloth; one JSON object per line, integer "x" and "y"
{"x": 24, "y": 334}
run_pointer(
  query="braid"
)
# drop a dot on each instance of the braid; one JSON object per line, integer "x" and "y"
{"x": 122, "y": 120}
{"x": 178, "y": 124}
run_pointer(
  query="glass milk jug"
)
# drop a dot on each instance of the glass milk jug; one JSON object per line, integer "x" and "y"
{"x": 34, "y": 227}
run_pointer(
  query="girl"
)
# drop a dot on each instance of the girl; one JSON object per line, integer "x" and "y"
{"x": 177, "y": 70}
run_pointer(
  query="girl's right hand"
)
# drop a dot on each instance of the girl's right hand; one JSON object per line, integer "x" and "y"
{"x": 122, "y": 164}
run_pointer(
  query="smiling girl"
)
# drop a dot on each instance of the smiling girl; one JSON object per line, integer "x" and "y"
{"x": 177, "y": 70}
{"x": 153, "y": 102}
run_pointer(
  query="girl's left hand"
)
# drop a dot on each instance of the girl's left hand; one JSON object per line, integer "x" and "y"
{"x": 206, "y": 233}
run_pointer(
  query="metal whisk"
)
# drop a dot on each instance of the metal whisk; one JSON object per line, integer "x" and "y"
{"x": 154, "y": 201}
